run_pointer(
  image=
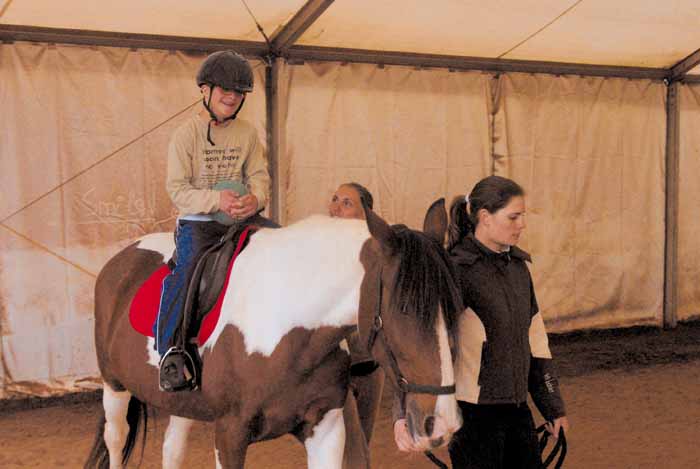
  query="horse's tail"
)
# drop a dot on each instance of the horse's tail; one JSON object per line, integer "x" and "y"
{"x": 99, "y": 455}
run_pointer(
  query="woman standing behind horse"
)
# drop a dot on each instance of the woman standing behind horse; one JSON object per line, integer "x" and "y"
{"x": 366, "y": 380}
{"x": 503, "y": 351}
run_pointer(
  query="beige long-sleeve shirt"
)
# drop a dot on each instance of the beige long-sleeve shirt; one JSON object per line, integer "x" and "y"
{"x": 195, "y": 166}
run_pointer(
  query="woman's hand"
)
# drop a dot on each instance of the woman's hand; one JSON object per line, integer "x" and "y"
{"x": 403, "y": 438}
{"x": 554, "y": 426}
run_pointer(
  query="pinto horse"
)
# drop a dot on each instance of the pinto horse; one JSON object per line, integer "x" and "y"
{"x": 274, "y": 363}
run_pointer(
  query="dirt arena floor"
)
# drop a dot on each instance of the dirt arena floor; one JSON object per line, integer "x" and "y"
{"x": 633, "y": 399}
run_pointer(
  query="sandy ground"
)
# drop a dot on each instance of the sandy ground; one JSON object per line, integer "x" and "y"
{"x": 633, "y": 401}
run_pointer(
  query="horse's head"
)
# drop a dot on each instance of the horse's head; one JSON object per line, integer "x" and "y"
{"x": 408, "y": 303}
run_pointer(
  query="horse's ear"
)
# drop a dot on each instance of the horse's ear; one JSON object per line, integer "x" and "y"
{"x": 435, "y": 223}
{"x": 381, "y": 231}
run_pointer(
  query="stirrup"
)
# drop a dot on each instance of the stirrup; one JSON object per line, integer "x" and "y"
{"x": 177, "y": 371}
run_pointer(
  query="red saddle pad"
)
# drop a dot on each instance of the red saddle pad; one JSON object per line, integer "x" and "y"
{"x": 143, "y": 311}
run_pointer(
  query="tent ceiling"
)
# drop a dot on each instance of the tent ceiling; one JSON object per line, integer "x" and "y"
{"x": 614, "y": 33}
{"x": 619, "y": 32}
{"x": 216, "y": 19}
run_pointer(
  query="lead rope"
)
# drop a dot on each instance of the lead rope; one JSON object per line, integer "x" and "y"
{"x": 435, "y": 460}
{"x": 560, "y": 447}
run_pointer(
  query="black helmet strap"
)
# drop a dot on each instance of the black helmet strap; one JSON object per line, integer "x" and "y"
{"x": 207, "y": 106}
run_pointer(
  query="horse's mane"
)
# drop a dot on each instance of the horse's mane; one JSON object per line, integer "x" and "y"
{"x": 426, "y": 280}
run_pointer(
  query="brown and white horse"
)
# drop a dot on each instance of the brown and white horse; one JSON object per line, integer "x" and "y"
{"x": 274, "y": 363}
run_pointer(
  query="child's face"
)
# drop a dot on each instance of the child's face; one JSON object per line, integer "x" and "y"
{"x": 223, "y": 102}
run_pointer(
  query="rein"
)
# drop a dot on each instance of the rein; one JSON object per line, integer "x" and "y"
{"x": 403, "y": 385}
{"x": 560, "y": 447}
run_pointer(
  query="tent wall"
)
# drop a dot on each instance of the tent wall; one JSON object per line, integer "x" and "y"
{"x": 589, "y": 151}
{"x": 410, "y": 136}
{"x": 65, "y": 109}
{"x": 689, "y": 210}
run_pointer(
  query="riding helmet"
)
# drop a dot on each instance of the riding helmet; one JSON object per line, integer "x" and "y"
{"x": 228, "y": 70}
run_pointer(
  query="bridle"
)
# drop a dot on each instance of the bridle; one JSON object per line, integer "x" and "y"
{"x": 402, "y": 384}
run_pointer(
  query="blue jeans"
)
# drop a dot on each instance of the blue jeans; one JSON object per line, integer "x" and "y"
{"x": 192, "y": 238}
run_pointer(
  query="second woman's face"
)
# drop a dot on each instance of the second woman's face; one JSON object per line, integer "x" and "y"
{"x": 503, "y": 228}
{"x": 346, "y": 203}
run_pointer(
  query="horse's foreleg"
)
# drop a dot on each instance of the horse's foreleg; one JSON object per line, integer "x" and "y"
{"x": 356, "y": 453}
{"x": 325, "y": 445}
{"x": 116, "y": 406}
{"x": 231, "y": 441}
{"x": 175, "y": 442}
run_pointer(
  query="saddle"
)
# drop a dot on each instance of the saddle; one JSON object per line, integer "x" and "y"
{"x": 209, "y": 277}
{"x": 180, "y": 367}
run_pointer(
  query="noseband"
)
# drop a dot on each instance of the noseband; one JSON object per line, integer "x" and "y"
{"x": 404, "y": 386}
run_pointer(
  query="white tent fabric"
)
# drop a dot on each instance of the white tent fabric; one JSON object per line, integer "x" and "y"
{"x": 224, "y": 19}
{"x": 689, "y": 210}
{"x": 621, "y": 32}
{"x": 590, "y": 153}
{"x": 410, "y": 136}
{"x": 592, "y": 31}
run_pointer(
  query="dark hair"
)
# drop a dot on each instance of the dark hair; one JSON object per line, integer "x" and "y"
{"x": 491, "y": 193}
{"x": 365, "y": 195}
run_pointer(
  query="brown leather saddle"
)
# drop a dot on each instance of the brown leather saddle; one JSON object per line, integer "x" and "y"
{"x": 207, "y": 280}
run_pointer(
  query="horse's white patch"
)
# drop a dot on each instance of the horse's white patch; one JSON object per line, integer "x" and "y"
{"x": 324, "y": 449}
{"x": 175, "y": 441}
{"x": 446, "y": 404}
{"x": 218, "y": 460}
{"x": 116, "y": 405}
{"x": 305, "y": 275}
{"x": 153, "y": 355}
{"x": 344, "y": 346}
{"x": 539, "y": 343}
{"x": 162, "y": 243}
{"x": 472, "y": 336}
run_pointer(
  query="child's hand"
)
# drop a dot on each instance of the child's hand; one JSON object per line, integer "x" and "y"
{"x": 244, "y": 207}
{"x": 227, "y": 199}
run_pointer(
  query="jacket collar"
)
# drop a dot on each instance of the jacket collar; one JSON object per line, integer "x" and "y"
{"x": 470, "y": 249}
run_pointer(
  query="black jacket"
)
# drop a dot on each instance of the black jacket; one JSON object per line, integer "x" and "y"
{"x": 503, "y": 350}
